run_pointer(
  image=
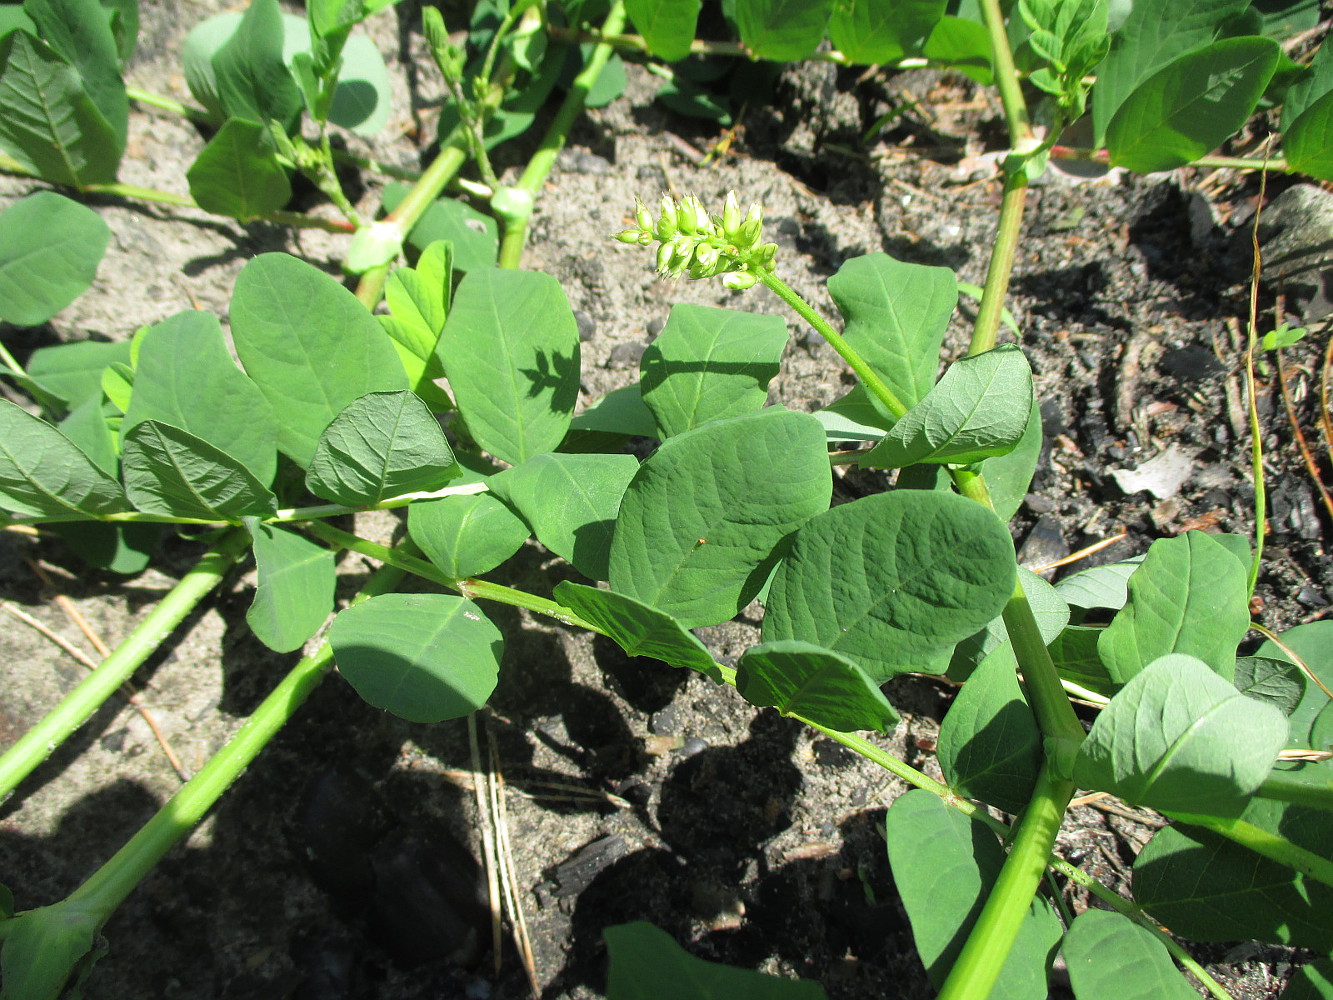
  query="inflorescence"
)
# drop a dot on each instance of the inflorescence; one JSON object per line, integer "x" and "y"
{"x": 704, "y": 246}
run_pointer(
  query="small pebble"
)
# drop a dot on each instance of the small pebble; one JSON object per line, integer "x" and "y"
{"x": 587, "y": 326}
{"x": 693, "y": 745}
{"x": 591, "y": 163}
{"x": 627, "y": 354}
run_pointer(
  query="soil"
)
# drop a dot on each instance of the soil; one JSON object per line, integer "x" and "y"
{"x": 343, "y": 864}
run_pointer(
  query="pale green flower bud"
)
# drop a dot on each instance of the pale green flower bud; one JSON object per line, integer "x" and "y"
{"x": 644, "y": 216}
{"x": 629, "y": 236}
{"x": 668, "y": 225}
{"x": 731, "y": 215}
{"x": 686, "y": 220}
{"x": 750, "y": 232}
{"x": 706, "y": 256}
{"x": 664, "y": 254}
{"x": 739, "y": 280}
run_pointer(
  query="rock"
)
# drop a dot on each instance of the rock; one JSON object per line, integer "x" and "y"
{"x": 1296, "y": 242}
{"x": 1162, "y": 475}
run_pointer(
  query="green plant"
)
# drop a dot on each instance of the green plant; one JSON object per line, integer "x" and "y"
{"x": 336, "y": 410}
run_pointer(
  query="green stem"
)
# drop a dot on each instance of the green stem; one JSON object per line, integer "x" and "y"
{"x": 111, "y": 883}
{"x": 992, "y": 937}
{"x": 539, "y": 166}
{"x": 1001, "y": 264}
{"x": 1281, "y": 788}
{"x": 427, "y": 571}
{"x": 1207, "y": 162}
{"x": 1271, "y": 845}
{"x": 447, "y": 163}
{"x": 854, "y": 360}
{"x": 294, "y": 219}
{"x": 1252, "y": 394}
{"x": 1050, "y": 704}
{"x": 41, "y": 740}
{"x": 1006, "y": 75}
{"x": 1056, "y": 864}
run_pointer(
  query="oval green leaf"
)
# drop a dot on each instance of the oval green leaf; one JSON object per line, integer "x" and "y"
{"x": 185, "y": 377}
{"x": 893, "y": 581}
{"x": 49, "y": 251}
{"x": 295, "y": 591}
{"x": 636, "y": 628}
{"x": 309, "y": 345}
{"x": 383, "y": 445}
{"x": 43, "y": 474}
{"x": 571, "y": 502}
{"x": 1190, "y": 595}
{"x": 979, "y": 408}
{"x": 1190, "y": 106}
{"x": 782, "y": 30}
{"x": 989, "y": 745}
{"x": 709, "y": 364}
{"x": 667, "y": 26}
{"x": 944, "y": 864}
{"x": 423, "y": 657}
{"x": 238, "y": 173}
{"x": 1179, "y": 738}
{"x": 1110, "y": 957}
{"x": 703, "y": 521}
{"x": 170, "y": 471}
{"x": 800, "y": 678}
{"x": 467, "y": 534}
{"x": 511, "y": 350}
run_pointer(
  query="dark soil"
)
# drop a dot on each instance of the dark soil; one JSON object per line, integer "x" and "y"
{"x": 343, "y": 863}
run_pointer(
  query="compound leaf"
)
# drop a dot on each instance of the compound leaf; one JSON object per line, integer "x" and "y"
{"x": 382, "y": 445}
{"x": 309, "y": 345}
{"x": 171, "y": 471}
{"x": 896, "y": 316}
{"x": 511, "y": 350}
{"x": 571, "y": 502}
{"x": 68, "y": 375}
{"x": 667, "y": 26}
{"x": 467, "y": 534}
{"x": 979, "y": 408}
{"x": 49, "y": 251}
{"x": 708, "y": 364}
{"x": 1191, "y": 105}
{"x": 704, "y": 518}
{"x": 79, "y": 31}
{"x": 1188, "y": 596}
{"x": 1179, "y": 738}
{"x": 989, "y": 745}
{"x": 423, "y": 657}
{"x": 894, "y": 580}
{"x": 636, "y": 628}
{"x": 295, "y": 591}
{"x": 800, "y": 678}
{"x": 643, "y": 957}
{"x": 238, "y": 173}
{"x": 782, "y": 30}
{"x": 185, "y": 377}
{"x": 1110, "y": 957}
{"x": 43, "y": 474}
{"x": 944, "y": 864}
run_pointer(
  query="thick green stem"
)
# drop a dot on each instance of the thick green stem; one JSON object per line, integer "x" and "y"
{"x": 1057, "y": 864}
{"x": 41, "y": 740}
{"x": 854, "y": 360}
{"x": 111, "y": 883}
{"x": 1001, "y": 262}
{"x": 539, "y": 166}
{"x": 427, "y": 571}
{"x": 1006, "y": 76}
{"x": 992, "y": 937}
{"x": 1281, "y": 788}
{"x": 1273, "y": 846}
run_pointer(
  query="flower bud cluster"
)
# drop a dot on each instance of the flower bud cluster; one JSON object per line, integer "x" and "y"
{"x": 701, "y": 245}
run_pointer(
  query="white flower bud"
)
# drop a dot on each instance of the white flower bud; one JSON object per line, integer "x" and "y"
{"x": 731, "y": 214}
{"x": 739, "y": 280}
